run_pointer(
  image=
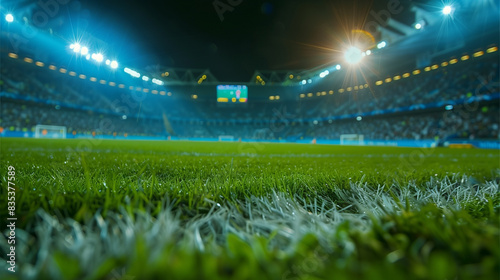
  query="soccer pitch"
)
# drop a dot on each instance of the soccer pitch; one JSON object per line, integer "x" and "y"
{"x": 104, "y": 209}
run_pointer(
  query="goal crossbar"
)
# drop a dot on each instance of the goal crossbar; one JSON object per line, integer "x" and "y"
{"x": 352, "y": 139}
{"x": 50, "y": 131}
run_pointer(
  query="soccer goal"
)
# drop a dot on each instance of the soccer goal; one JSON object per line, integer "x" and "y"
{"x": 352, "y": 139}
{"x": 50, "y": 131}
{"x": 226, "y": 138}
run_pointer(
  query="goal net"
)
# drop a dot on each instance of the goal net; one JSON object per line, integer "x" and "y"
{"x": 352, "y": 139}
{"x": 50, "y": 131}
{"x": 226, "y": 138}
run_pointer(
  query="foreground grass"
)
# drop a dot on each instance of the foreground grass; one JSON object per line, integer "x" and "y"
{"x": 200, "y": 186}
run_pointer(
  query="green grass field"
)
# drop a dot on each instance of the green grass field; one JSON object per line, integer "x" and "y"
{"x": 102, "y": 209}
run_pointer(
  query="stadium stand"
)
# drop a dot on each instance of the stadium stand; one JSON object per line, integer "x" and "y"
{"x": 469, "y": 90}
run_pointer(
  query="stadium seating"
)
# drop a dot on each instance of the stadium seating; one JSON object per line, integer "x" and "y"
{"x": 32, "y": 96}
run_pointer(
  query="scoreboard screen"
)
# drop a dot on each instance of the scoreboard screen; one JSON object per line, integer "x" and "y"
{"x": 232, "y": 93}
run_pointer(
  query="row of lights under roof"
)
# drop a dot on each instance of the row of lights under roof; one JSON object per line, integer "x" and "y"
{"x": 98, "y": 57}
{"x": 92, "y": 79}
{"x": 407, "y": 74}
{"x": 331, "y": 92}
{"x": 436, "y": 66}
{"x": 321, "y": 75}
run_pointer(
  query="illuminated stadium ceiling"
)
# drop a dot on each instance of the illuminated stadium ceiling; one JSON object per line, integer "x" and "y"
{"x": 234, "y": 38}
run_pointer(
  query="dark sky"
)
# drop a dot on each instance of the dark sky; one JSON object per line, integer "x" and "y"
{"x": 255, "y": 35}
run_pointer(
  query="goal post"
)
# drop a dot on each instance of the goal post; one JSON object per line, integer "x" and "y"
{"x": 226, "y": 138}
{"x": 50, "y": 131}
{"x": 352, "y": 139}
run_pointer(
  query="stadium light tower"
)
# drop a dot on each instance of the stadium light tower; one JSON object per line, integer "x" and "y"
{"x": 9, "y": 18}
{"x": 353, "y": 55}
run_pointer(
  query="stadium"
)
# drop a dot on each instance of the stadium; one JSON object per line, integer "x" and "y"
{"x": 250, "y": 139}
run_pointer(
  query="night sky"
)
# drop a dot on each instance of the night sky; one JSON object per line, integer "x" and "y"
{"x": 255, "y": 35}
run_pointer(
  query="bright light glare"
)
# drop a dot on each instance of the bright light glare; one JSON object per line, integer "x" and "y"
{"x": 97, "y": 57}
{"x": 114, "y": 64}
{"x": 145, "y": 78}
{"x": 324, "y": 74}
{"x": 418, "y": 26}
{"x": 131, "y": 72}
{"x": 9, "y": 18}
{"x": 381, "y": 45}
{"x": 76, "y": 47}
{"x": 304, "y": 82}
{"x": 84, "y": 51}
{"x": 353, "y": 55}
{"x": 447, "y": 10}
{"x": 338, "y": 67}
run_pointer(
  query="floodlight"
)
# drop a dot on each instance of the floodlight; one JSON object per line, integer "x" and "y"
{"x": 338, "y": 67}
{"x": 368, "y": 52}
{"x": 418, "y": 26}
{"x": 145, "y": 78}
{"x": 304, "y": 82}
{"x": 324, "y": 74}
{"x": 131, "y": 72}
{"x": 84, "y": 51}
{"x": 381, "y": 45}
{"x": 9, "y": 18}
{"x": 72, "y": 46}
{"x": 447, "y": 10}
{"x": 309, "y": 81}
{"x": 353, "y": 55}
{"x": 97, "y": 57}
{"x": 108, "y": 61}
{"x": 114, "y": 64}
{"x": 87, "y": 57}
{"x": 359, "y": 118}
{"x": 158, "y": 82}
